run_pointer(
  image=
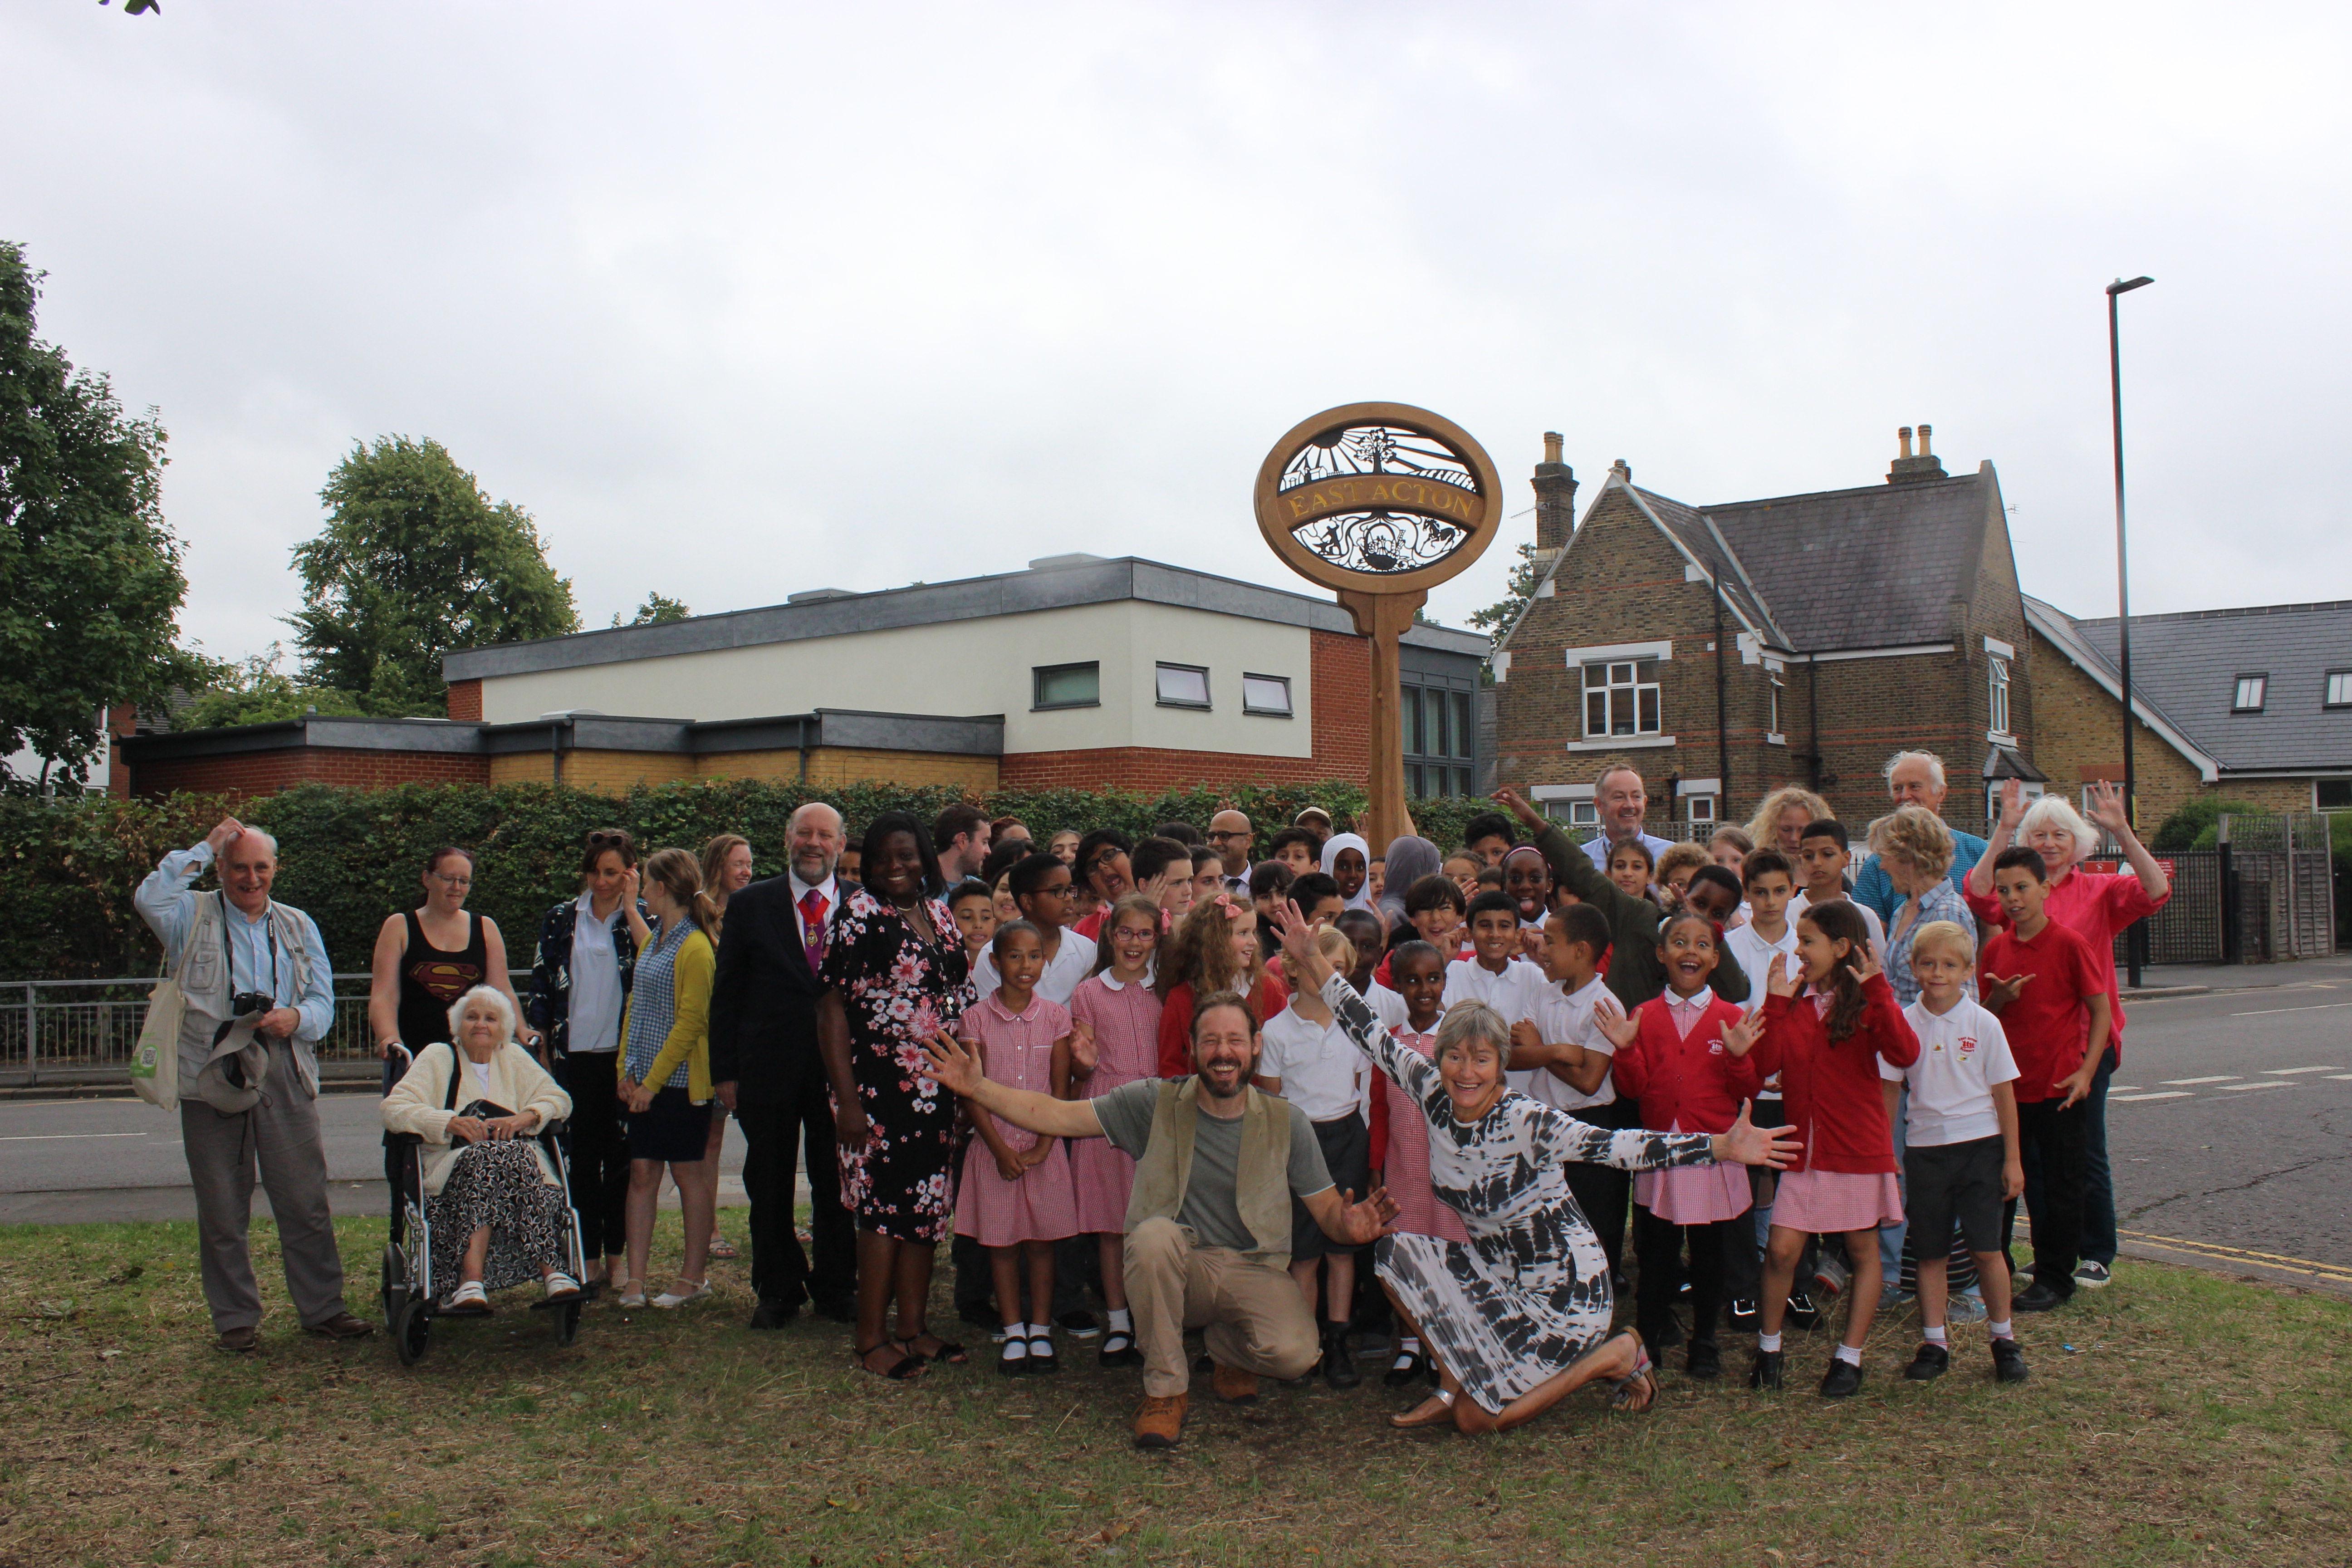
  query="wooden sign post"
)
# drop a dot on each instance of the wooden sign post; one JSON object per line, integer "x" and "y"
{"x": 1380, "y": 502}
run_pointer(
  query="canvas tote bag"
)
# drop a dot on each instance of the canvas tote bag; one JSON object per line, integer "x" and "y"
{"x": 155, "y": 1062}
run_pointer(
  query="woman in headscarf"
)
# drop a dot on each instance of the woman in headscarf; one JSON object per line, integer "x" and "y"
{"x": 1347, "y": 861}
{"x": 1409, "y": 859}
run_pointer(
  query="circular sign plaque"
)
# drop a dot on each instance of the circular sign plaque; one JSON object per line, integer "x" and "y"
{"x": 1377, "y": 497}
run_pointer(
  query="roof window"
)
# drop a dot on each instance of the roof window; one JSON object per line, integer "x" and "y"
{"x": 2249, "y": 691}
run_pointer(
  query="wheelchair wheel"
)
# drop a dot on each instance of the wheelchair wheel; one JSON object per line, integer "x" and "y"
{"x": 412, "y": 1332}
{"x": 394, "y": 1288}
{"x": 567, "y": 1322}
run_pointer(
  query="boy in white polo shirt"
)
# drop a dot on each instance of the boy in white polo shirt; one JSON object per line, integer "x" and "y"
{"x": 1497, "y": 975}
{"x": 1577, "y": 1055}
{"x": 1962, "y": 1161}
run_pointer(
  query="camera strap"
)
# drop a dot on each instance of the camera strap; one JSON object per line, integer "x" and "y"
{"x": 229, "y": 948}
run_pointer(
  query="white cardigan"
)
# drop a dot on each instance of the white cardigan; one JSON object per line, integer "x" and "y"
{"x": 517, "y": 1082}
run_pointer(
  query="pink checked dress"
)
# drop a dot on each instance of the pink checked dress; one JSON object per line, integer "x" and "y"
{"x": 1407, "y": 1172}
{"x": 1126, "y": 1023}
{"x": 1040, "y": 1207}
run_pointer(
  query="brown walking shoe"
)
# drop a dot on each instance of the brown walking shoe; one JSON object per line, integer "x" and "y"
{"x": 1161, "y": 1422}
{"x": 236, "y": 1342}
{"x": 1234, "y": 1385}
{"x": 343, "y": 1326}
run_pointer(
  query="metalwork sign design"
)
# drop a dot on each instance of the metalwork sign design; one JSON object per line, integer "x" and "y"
{"x": 1378, "y": 496}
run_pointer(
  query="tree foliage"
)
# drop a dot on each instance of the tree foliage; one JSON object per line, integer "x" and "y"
{"x": 90, "y": 584}
{"x": 2193, "y": 823}
{"x": 1518, "y": 588}
{"x": 416, "y": 561}
{"x": 658, "y": 608}
{"x": 255, "y": 690}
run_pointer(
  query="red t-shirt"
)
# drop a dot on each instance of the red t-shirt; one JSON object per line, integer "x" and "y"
{"x": 2049, "y": 1024}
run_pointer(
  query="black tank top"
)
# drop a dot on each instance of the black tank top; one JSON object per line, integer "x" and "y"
{"x": 431, "y": 979}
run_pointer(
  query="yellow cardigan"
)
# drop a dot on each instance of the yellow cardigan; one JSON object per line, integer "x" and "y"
{"x": 689, "y": 1029}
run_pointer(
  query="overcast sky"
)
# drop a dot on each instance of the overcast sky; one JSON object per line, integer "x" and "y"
{"x": 740, "y": 300}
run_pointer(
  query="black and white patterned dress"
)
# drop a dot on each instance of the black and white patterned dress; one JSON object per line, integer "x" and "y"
{"x": 1529, "y": 1293}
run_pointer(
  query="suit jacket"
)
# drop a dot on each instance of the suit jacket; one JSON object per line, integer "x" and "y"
{"x": 763, "y": 998}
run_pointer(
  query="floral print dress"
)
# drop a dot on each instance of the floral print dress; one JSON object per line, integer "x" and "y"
{"x": 897, "y": 991}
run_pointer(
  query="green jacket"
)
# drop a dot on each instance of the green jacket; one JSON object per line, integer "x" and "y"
{"x": 1634, "y": 976}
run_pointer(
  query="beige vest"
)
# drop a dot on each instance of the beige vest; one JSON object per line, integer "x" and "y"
{"x": 1262, "y": 1179}
{"x": 205, "y": 981}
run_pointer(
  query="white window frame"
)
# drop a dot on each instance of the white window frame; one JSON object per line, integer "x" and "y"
{"x": 1997, "y": 696}
{"x": 2259, "y": 679}
{"x": 2336, "y": 691}
{"x": 1699, "y": 808}
{"x": 1249, "y": 705}
{"x": 1633, "y": 687}
{"x": 1163, "y": 669}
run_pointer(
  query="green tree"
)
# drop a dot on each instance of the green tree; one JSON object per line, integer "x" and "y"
{"x": 414, "y": 561}
{"x": 657, "y": 609}
{"x": 90, "y": 584}
{"x": 1498, "y": 616}
{"x": 255, "y": 690}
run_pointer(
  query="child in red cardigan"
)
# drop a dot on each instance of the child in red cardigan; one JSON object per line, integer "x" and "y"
{"x": 1826, "y": 1047}
{"x": 1685, "y": 1057}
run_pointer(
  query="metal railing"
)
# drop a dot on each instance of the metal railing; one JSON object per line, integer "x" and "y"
{"x": 68, "y": 1029}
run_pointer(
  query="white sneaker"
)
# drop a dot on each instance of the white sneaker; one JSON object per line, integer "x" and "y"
{"x": 561, "y": 1287}
{"x": 669, "y": 1300}
{"x": 2093, "y": 1275}
{"x": 467, "y": 1301}
{"x": 1964, "y": 1308}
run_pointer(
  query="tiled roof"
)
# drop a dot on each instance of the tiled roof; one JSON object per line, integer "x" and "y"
{"x": 1689, "y": 528}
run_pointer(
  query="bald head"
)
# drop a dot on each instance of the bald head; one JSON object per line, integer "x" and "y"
{"x": 1229, "y": 836}
{"x": 812, "y": 840}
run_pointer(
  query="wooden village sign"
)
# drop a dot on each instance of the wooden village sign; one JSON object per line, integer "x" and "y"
{"x": 1380, "y": 502}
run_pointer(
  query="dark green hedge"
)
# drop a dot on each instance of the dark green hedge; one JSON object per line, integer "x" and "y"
{"x": 351, "y": 856}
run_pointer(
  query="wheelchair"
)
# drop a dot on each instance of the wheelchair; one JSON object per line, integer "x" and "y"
{"x": 411, "y": 1295}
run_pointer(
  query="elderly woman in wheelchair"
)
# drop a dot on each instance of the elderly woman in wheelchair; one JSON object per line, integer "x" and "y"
{"x": 491, "y": 1192}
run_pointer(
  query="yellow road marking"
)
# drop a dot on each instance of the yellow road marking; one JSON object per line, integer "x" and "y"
{"x": 2213, "y": 1250}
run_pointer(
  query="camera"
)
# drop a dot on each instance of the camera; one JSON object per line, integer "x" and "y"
{"x": 245, "y": 1002}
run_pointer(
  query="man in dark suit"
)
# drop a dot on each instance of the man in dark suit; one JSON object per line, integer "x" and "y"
{"x": 765, "y": 1069}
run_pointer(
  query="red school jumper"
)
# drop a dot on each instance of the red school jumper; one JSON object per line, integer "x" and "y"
{"x": 1830, "y": 1087}
{"x": 1686, "y": 1079}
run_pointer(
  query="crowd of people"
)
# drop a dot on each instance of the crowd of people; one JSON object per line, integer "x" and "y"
{"x": 1186, "y": 1082}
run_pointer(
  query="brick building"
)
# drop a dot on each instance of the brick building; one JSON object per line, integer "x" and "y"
{"x": 1728, "y": 649}
{"x": 2252, "y": 705}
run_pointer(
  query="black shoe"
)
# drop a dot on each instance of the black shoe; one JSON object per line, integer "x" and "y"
{"x": 1079, "y": 1324}
{"x": 1932, "y": 1361}
{"x": 838, "y": 1309}
{"x": 1041, "y": 1354}
{"x": 1017, "y": 1366}
{"x": 773, "y": 1314}
{"x": 2007, "y": 1361}
{"x": 1338, "y": 1361}
{"x": 1669, "y": 1333}
{"x": 1745, "y": 1314}
{"x": 2039, "y": 1298}
{"x": 1802, "y": 1312}
{"x": 1119, "y": 1349}
{"x": 1403, "y": 1373}
{"x": 1765, "y": 1371}
{"x": 1843, "y": 1381}
{"x": 1704, "y": 1360}
{"x": 979, "y": 1315}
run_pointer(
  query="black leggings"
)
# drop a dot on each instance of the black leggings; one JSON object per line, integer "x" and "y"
{"x": 599, "y": 1152}
{"x": 1659, "y": 1247}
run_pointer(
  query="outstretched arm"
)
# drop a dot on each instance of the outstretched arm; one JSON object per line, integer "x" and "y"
{"x": 954, "y": 1067}
{"x": 1306, "y": 963}
{"x": 1563, "y": 1137}
{"x": 1351, "y": 1223}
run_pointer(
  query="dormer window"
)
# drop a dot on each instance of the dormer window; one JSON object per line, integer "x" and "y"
{"x": 2249, "y": 691}
{"x": 2340, "y": 688}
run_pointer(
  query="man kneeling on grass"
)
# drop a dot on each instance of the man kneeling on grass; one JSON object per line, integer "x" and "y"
{"x": 1208, "y": 1226}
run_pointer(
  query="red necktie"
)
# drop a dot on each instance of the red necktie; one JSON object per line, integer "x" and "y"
{"x": 813, "y": 927}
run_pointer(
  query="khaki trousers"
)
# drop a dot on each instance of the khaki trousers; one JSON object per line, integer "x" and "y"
{"x": 279, "y": 1136}
{"x": 1254, "y": 1316}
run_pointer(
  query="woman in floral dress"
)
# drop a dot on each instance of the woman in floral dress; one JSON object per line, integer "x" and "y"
{"x": 894, "y": 977}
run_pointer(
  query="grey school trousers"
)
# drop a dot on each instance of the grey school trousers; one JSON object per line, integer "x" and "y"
{"x": 280, "y": 1136}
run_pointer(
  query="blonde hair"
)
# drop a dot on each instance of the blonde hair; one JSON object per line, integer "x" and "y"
{"x": 1336, "y": 949}
{"x": 2054, "y": 811}
{"x": 1764, "y": 828}
{"x": 1944, "y": 934}
{"x": 680, "y": 876}
{"x": 1915, "y": 834}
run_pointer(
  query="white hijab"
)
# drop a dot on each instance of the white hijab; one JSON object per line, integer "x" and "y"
{"x": 1331, "y": 848}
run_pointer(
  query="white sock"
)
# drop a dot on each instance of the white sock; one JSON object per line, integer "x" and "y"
{"x": 1122, "y": 1320}
{"x": 1850, "y": 1355}
{"x": 1768, "y": 1342}
{"x": 2001, "y": 1330}
{"x": 1407, "y": 1347}
{"x": 1016, "y": 1342}
{"x": 1935, "y": 1333}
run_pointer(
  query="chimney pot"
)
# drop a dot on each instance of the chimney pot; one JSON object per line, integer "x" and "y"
{"x": 1622, "y": 470}
{"x": 1924, "y": 452}
{"x": 1904, "y": 437}
{"x": 1551, "y": 447}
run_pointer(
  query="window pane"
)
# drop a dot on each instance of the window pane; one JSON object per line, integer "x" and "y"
{"x": 1650, "y": 711}
{"x": 2250, "y": 692}
{"x": 1412, "y": 780}
{"x": 1620, "y": 674}
{"x": 1595, "y": 675}
{"x": 1411, "y": 697}
{"x": 1182, "y": 683}
{"x": 2339, "y": 687}
{"x": 1069, "y": 685}
{"x": 1440, "y": 742}
{"x": 1462, "y": 733}
{"x": 1596, "y": 713}
{"x": 2333, "y": 795}
{"x": 1266, "y": 694}
{"x": 1461, "y": 781}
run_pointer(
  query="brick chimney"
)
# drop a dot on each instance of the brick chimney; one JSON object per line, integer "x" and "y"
{"x": 1555, "y": 484}
{"x": 1908, "y": 469}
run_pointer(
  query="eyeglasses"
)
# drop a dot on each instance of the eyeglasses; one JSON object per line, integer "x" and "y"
{"x": 1128, "y": 934}
{"x": 1225, "y": 837}
{"x": 453, "y": 881}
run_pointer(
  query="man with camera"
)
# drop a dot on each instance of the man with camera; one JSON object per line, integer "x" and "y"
{"x": 260, "y": 995}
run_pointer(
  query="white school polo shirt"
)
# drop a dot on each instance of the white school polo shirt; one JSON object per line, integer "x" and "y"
{"x": 1962, "y": 1054}
{"x": 1321, "y": 1070}
{"x": 1515, "y": 994}
{"x": 1566, "y": 1018}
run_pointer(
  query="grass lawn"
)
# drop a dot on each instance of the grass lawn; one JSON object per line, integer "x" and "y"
{"x": 2194, "y": 1419}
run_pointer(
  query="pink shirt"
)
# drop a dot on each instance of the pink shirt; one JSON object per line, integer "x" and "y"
{"x": 2095, "y": 906}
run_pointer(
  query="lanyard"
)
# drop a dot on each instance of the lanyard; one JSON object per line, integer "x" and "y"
{"x": 228, "y": 950}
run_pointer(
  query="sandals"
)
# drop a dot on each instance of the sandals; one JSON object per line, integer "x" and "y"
{"x": 723, "y": 1249}
{"x": 1639, "y": 1388}
{"x": 948, "y": 1352}
{"x": 1437, "y": 1410}
{"x": 467, "y": 1301}
{"x": 669, "y": 1300}
{"x": 905, "y": 1369}
{"x": 632, "y": 1296}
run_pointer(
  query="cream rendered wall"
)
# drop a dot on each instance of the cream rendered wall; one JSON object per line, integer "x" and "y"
{"x": 967, "y": 668}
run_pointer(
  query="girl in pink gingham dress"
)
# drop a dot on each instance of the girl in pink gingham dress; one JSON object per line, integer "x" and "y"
{"x": 1017, "y": 1200}
{"x": 1115, "y": 1018}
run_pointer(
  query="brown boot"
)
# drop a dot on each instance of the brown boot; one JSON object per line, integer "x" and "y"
{"x": 1234, "y": 1385}
{"x": 1161, "y": 1422}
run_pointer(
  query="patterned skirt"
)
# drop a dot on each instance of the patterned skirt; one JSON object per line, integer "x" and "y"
{"x": 501, "y": 1185}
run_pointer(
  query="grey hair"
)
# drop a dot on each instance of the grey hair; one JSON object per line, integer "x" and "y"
{"x": 245, "y": 831}
{"x": 1935, "y": 765}
{"x": 1469, "y": 1023}
{"x": 495, "y": 997}
{"x": 2055, "y": 810}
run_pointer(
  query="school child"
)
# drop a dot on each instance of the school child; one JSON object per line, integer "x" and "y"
{"x": 1318, "y": 898}
{"x": 1826, "y": 1044}
{"x": 1156, "y": 865}
{"x": 1114, "y": 1040}
{"x": 1526, "y": 877}
{"x": 1269, "y": 885}
{"x": 1767, "y": 939}
{"x": 1346, "y": 860}
{"x": 1463, "y": 867}
{"x": 1041, "y": 888}
{"x": 1017, "y": 1200}
{"x": 1006, "y": 909}
{"x": 1496, "y": 974}
{"x": 1685, "y": 1057}
{"x": 1575, "y": 1077}
{"x": 1962, "y": 1163}
{"x": 1490, "y": 880}
{"x": 1433, "y": 910}
{"x": 1730, "y": 847}
{"x": 1632, "y": 867}
{"x": 2043, "y": 982}
{"x": 1376, "y": 879}
{"x": 1208, "y": 873}
{"x": 1675, "y": 869}
{"x": 1411, "y": 1014}
{"x": 1310, "y": 1061}
{"x": 1822, "y": 858}
{"x": 974, "y": 908}
{"x": 1203, "y": 957}
{"x": 1295, "y": 848}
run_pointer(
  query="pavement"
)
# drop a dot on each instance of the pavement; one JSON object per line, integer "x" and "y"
{"x": 2230, "y": 1125}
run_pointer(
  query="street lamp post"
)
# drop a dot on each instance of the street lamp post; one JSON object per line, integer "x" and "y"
{"x": 2136, "y": 940}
